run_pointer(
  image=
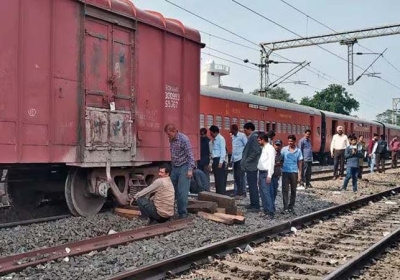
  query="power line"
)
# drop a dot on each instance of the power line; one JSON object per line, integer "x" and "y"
{"x": 291, "y": 31}
{"x": 230, "y": 41}
{"x": 317, "y": 21}
{"x": 252, "y": 68}
{"x": 278, "y": 55}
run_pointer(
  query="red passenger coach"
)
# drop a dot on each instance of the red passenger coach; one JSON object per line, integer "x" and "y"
{"x": 86, "y": 88}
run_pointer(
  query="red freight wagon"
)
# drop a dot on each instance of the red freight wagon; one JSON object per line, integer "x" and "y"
{"x": 86, "y": 88}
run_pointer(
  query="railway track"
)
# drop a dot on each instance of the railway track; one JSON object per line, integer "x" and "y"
{"x": 329, "y": 244}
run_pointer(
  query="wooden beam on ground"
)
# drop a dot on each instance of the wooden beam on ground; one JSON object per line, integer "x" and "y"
{"x": 213, "y": 217}
{"x": 129, "y": 213}
{"x": 223, "y": 201}
{"x": 221, "y": 210}
{"x": 236, "y": 218}
{"x": 203, "y": 206}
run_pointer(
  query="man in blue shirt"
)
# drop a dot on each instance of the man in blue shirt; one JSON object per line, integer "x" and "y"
{"x": 292, "y": 166}
{"x": 307, "y": 152}
{"x": 218, "y": 159}
{"x": 239, "y": 141}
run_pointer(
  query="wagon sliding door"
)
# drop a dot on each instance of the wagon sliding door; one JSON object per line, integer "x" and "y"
{"x": 108, "y": 93}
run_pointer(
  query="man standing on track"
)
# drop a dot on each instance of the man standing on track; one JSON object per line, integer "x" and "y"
{"x": 307, "y": 152}
{"x": 204, "y": 161}
{"x": 338, "y": 145}
{"x": 218, "y": 159}
{"x": 278, "y": 167}
{"x": 265, "y": 167}
{"x": 239, "y": 141}
{"x": 250, "y": 157}
{"x": 292, "y": 167}
{"x": 182, "y": 166}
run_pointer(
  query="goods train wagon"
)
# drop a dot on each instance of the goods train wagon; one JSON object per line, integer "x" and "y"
{"x": 224, "y": 107}
{"x": 86, "y": 88}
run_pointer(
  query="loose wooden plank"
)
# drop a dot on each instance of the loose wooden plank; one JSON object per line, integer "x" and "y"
{"x": 127, "y": 213}
{"x": 223, "y": 201}
{"x": 221, "y": 210}
{"x": 204, "y": 206}
{"x": 236, "y": 218}
{"x": 213, "y": 217}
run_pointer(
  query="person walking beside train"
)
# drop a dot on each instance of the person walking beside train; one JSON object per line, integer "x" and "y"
{"x": 159, "y": 206}
{"x": 251, "y": 155}
{"x": 218, "y": 159}
{"x": 353, "y": 153}
{"x": 182, "y": 166}
{"x": 307, "y": 152}
{"x": 394, "y": 147}
{"x": 292, "y": 167}
{"x": 277, "y": 167}
{"x": 265, "y": 167}
{"x": 361, "y": 144}
{"x": 239, "y": 141}
{"x": 371, "y": 156}
{"x": 204, "y": 161}
{"x": 380, "y": 150}
{"x": 338, "y": 145}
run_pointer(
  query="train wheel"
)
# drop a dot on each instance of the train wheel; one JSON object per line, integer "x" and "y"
{"x": 22, "y": 197}
{"x": 80, "y": 202}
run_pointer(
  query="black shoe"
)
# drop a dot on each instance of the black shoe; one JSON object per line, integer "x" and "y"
{"x": 183, "y": 216}
{"x": 309, "y": 186}
{"x": 255, "y": 210}
{"x": 152, "y": 222}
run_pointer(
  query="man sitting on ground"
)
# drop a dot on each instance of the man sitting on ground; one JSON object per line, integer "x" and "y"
{"x": 199, "y": 182}
{"x": 159, "y": 207}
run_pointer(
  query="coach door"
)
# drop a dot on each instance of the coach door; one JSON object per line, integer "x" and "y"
{"x": 108, "y": 91}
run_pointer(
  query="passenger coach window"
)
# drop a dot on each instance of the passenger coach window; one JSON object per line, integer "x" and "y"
{"x": 289, "y": 128}
{"x": 302, "y": 129}
{"x": 262, "y": 126}
{"x": 319, "y": 130}
{"x": 218, "y": 120}
{"x": 298, "y": 129}
{"x": 227, "y": 123}
{"x": 210, "y": 120}
{"x": 201, "y": 120}
{"x": 268, "y": 127}
{"x": 279, "y": 128}
{"x": 234, "y": 120}
{"x": 274, "y": 127}
{"x": 284, "y": 127}
{"x": 241, "y": 124}
{"x": 256, "y": 124}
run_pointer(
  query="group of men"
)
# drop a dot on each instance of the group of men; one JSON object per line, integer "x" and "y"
{"x": 260, "y": 160}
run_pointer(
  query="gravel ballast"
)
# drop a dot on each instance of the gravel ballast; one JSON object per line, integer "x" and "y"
{"x": 98, "y": 265}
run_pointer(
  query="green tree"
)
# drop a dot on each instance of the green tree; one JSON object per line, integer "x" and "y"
{"x": 277, "y": 93}
{"x": 334, "y": 98}
{"x": 386, "y": 117}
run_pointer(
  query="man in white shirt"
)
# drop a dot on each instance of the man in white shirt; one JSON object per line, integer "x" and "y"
{"x": 266, "y": 166}
{"x": 338, "y": 146}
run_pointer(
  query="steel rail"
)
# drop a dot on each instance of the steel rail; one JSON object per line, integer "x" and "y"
{"x": 18, "y": 262}
{"x": 34, "y": 221}
{"x": 184, "y": 262}
{"x": 349, "y": 268}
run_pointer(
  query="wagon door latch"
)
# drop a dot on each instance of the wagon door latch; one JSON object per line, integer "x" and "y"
{"x": 111, "y": 81}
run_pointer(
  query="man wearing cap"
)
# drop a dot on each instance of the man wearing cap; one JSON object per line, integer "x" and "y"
{"x": 338, "y": 146}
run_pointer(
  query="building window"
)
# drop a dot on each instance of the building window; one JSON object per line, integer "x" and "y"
{"x": 289, "y": 128}
{"x": 218, "y": 121}
{"x": 279, "y": 128}
{"x": 262, "y": 126}
{"x": 241, "y": 124}
{"x": 201, "y": 120}
{"x": 227, "y": 123}
{"x": 268, "y": 126}
{"x": 284, "y": 128}
{"x": 210, "y": 121}
{"x": 255, "y": 124}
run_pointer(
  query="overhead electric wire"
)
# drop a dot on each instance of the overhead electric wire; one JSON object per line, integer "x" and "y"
{"x": 237, "y": 35}
{"x": 230, "y": 41}
{"x": 291, "y": 31}
{"x": 359, "y": 77}
{"x": 252, "y": 68}
{"x": 326, "y": 26}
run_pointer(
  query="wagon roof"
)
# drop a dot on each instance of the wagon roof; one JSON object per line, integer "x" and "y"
{"x": 127, "y": 8}
{"x": 256, "y": 100}
{"x": 347, "y": 118}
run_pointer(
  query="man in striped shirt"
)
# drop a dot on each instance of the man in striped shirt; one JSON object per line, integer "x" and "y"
{"x": 182, "y": 161}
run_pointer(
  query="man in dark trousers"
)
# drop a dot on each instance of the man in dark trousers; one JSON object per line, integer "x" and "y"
{"x": 204, "y": 161}
{"x": 159, "y": 206}
{"x": 218, "y": 160}
{"x": 182, "y": 166}
{"x": 250, "y": 157}
{"x": 199, "y": 182}
{"x": 307, "y": 152}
